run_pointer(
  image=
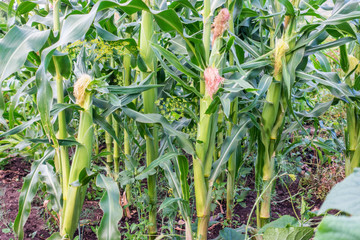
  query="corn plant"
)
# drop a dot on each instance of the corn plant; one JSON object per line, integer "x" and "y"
{"x": 206, "y": 170}
{"x": 73, "y": 188}
{"x": 287, "y": 52}
{"x": 349, "y": 64}
{"x": 181, "y": 86}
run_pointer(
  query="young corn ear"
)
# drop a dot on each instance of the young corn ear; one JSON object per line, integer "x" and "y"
{"x": 352, "y": 116}
{"x": 271, "y": 120}
{"x": 81, "y": 159}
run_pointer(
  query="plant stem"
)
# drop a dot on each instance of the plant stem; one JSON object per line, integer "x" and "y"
{"x": 116, "y": 149}
{"x": 149, "y": 98}
{"x": 108, "y": 141}
{"x": 207, "y": 29}
{"x": 81, "y": 161}
{"x": 63, "y": 155}
{"x": 234, "y": 110}
{"x": 127, "y": 149}
{"x": 62, "y": 134}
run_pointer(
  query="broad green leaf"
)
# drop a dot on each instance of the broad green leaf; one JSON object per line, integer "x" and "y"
{"x": 131, "y": 89}
{"x": 230, "y": 233}
{"x": 15, "y": 47}
{"x": 63, "y": 61}
{"x": 339, "y": 228}
{"x": 15, "y": 99}
{"x": 288, "y": 6}
{"x": 168, "y": 20}
{"x": 291, "y": 233}
{"x": 55, "y": 236}
{"x": 56, "y": 109}
{"x": 331, "y": 81}
{"x": 3, "y": 6}
{"x": 323, "y": 61}
{"x": 25, "y": 7}
{"x": 184, "y": 3}
{"x": 312, "y": 49}
{"x": 228, "y": 147}
{"x": 175, "y": 76}
{"x": 150, "y": 170}
{"x": 317, "y": 111}
{"x": 215, "y": 4}
{"x": 173, "y": 180}
{"x": 183, "y": 172}
{"x": 169, "y": 201}
{"x": 101, "y": 121}
{"x": 53, "y": 188}
{"x": 174, "y": 61}
{"x": 344, "y": 61}
{"x": 282, "y": 222}
{"x": 344, "y": 196}
{"x": 341, "y": 18}
{"x": 20, "y": 128}
{"x": 184, "y": 142}
{"x": 28, "y": 192}
{"x": 110, "y": 205}
{"x": 246, "y": 46}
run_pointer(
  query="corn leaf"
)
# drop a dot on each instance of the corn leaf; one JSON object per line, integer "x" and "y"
{"x": 339, "y": 228}
{"x": 182, "y": 138}
{"x": 344, "y": 196}
{"x": 291, "y": 233}
{"x": 53, "y": 188}
{"x": 15, "y": 47}
{"x": 228, "y": 147}
{"x": 28, "y": 191}
{"x": 110, "y": 205}
{"x": 150, "y": 170}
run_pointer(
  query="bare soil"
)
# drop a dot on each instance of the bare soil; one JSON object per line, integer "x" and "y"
{"x": 39, "y": 226}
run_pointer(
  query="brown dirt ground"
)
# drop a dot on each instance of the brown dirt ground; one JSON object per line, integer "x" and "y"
{"x": 11, "y": 179}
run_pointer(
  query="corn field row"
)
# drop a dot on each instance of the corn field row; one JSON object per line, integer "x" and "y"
{"x": 130, "y": 94}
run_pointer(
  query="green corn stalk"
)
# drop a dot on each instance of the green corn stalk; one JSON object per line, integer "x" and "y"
{"x": 272, "y": 118}
{"x": 115, "y": 145}
{"x": 149, "y": 98}
{"x": 62, "y": 156}
{"x": 203, "y": 139}
{"x": 230, "y": 187}
{"x": 127, "y": 149}
{"x": 352, "y": 117}
{"x": 206, "y": 133}
{"x": 81, "y": 161}
{"x": 108, "y": 142}
{"x": 207, "y": 29}
{"x": 116, "y": 155}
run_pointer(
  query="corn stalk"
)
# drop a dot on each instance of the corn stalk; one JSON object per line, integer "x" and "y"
{"x": 127, "y": 142}
{"x": 62, "y": 156}
{"x": 231, "y": 176}
{"x": 81, "y": 159}
{"x": 149, "y": 98}
{"x": 273, "y": 115}
{"x": 352, "y": 113}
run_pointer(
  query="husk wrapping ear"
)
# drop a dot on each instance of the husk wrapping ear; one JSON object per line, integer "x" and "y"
{"x": 80, "y": 87}
{"x": 353, "y": 63}
{"x": 280, "y": 51}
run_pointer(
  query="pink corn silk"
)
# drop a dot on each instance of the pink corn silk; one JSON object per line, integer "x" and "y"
{"x": 220, "y": 23}
{"x": 212, "y": 80}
